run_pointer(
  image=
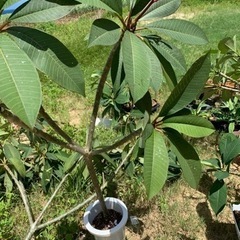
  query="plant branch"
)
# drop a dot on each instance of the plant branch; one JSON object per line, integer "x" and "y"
{"x": 143, "y": 12}
{"x": 80, "y": 205}
{"x": 55, "y": 126}
{"x": 23, "y": 195}
{"x": 34, "y": 226}
{"x": 15, "y": 120}
{"x": 99, "y": 92}
{"x": 227, "y": 77}
{"x": 118, "y": 143}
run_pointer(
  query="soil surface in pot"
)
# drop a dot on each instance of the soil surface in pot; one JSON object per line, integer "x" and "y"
{"x": 237, "y": 216}
{"x": 104, "y": 223}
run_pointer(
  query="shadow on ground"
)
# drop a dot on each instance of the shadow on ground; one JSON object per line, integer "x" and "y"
{"x": 216, "y": 230}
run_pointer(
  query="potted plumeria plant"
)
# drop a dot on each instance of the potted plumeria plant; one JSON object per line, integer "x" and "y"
{"x": 139, "y": 62}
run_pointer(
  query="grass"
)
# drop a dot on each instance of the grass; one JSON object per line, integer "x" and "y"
{"x": 178, "y": 212}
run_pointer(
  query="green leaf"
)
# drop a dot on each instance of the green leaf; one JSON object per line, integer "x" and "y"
{"x": 20, "y": 85}
{"x": 70, "y": 162}
{"x": 218, "y": 196}
{"x": 161, "y": 9}
{"x": 116, "y": 5}
{"x": 213, "y": 163}
{"x": 181, "y": 30}
{"x": 189, "y": 87}
{"x": 136, "y": 65}
{"x": 220, "y": 175}
{"x": 13, "y": 156}
{"x": 229, "y": 147}
{"x": 18, "y": 165}
{"x": 155, "y": 164}
{"x": 109, "y": 5}
{"x": 186, "y": 156}
{"x": 192, "y": 126}
{"x": 8, "y": 184}
{"x": 137, "y": 6}
{"x": 2, "y": 4}
{"x": 41, "y": 11}
{"x": 171, "y": 54}
{"x": 51, "y": 57}
{"x": 104, "y": 32}
{"x": 46, "y": 176}
{"x": 10, "y": 151}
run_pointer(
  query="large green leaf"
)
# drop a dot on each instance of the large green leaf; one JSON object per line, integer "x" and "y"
{"x": 42, "y": 11}
{"x": 189, "y": 87}
{"x": 137, "y": 6}
{"x": 187, "y": 157}
{"x": 181, "y": 30}
{"x": 3, "y": 4}
{"x": 109, "y": 5}
{"x": 155, "y": 164}
{"x": 136, "y": 65}
{"x": 20, "y": 85}
{"x": 114, "y": 5}
{"x": 172, "y": 54}
{"x": 104, "y": 32}
{"x": 192, "y": 126}
{"x": 13, "y": 156}
{"x": 218, "y": 196}
{"x": 71, "y": 161}
{"x": 51, "y": 57}
{"x": 229, "y": 147}
{"x": 161, "y": 9}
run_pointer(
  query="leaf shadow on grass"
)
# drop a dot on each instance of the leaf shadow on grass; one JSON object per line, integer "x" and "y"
{"x": 215, "y": 230}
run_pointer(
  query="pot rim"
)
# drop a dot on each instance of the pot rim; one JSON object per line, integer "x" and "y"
{"x": 106, "y": 233}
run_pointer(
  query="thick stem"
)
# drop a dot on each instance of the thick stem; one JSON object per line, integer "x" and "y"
{"x": 15, "y": 120}
{"x": 118, "y": 143}
{"x": 54, "y": 126}
{"x": 98, "y": 96}
{"x": 96, "y": 185}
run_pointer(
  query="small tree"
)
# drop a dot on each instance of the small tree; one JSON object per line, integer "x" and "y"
{"x": 140, "y": 60}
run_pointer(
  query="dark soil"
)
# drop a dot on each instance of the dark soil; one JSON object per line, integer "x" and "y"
{"x": 237, "y": 216}
{"x": 113, "y": 219}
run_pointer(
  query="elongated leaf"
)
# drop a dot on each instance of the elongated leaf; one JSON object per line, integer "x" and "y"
{"x": 229, "y": 147}
{"x": 104, "y": 32}
{"x": 161, "y": 9}
{"x": 8, "y": 184}
{"x": 51, "y": 57}
{"x": 10, "y": 151}
{"x": 218, "y": 196}
{"x": 116, "y": 5}
{"x": 172, "y": 54}
{"x": 220, "y": 175}
{"x": 6, "y": 3}
{"x": 3, "y": 4}
{"x": 189, "y": 87}
{"x": 156, "y": 73}
{"x": 41, "y": 11}
{"x": 46, "y": 176}
{"x": 70, "y": 162}
{"x": 181, "y": 30}
{"x": 155, "y": 164}
{"x": 13, "y": 156}
{"x": 20, "y": 85}
{"x": 104, "y": 4}
{"x": 137, "y": 6}
{"x": 192, "y": 126}
{"x": 18, "y": 165}
{"x": 136, "y": 65}
{"x": 187, "y": 157}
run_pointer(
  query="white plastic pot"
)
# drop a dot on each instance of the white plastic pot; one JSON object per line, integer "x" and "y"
{"x": 236, "y": 207}
{"x": 115, "y": 233}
